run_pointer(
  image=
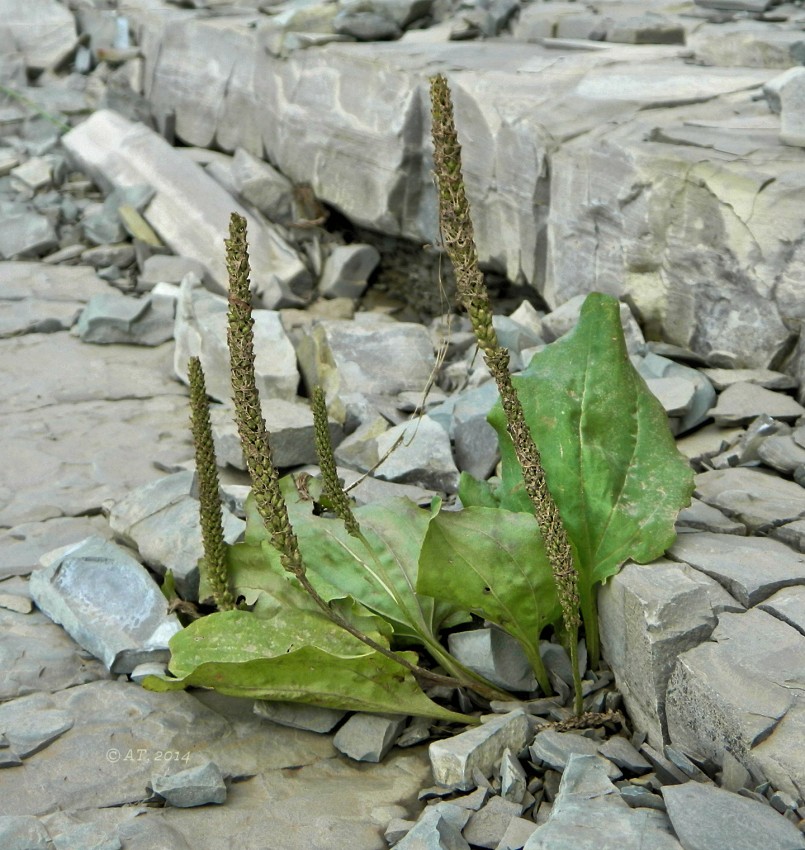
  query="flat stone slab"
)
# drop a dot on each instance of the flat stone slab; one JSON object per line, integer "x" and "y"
{"x": 708, "y": 818}
{"x": 71, "y": 372}
{"x": 750, "y": 568}
{"x": 768, "y": 378}
{"x": 38, "y": 655}
{"x": 84, "y": 450}
{"x": 704, "y": 517}
{"x": 293, "y": 779}
{"x": 742, "y": 402}
{"x": 22, "y": 546}
{"x": 787, "y": 605}
{"x": 755, "y": 498}
{"x": 38, "y": 298}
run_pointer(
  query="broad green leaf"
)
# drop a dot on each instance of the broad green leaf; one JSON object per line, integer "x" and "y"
{"x": 493, "y": 563}
{"x": 382, "y": 577}
{"x": 610, "y": 460}
{"x": 475, "y": 493}
{"x": 257, "y": 576}
{"x": 297, "y": 656}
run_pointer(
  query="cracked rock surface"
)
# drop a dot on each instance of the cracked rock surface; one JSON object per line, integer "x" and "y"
{"x": 678, "y": 187}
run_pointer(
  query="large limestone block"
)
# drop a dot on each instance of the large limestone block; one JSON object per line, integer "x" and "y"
{"x": 44, "y": 31}
{"x": 649, "y": 614}
{"x": 733, "y": 693}
{"x": 353, "y": 120}
{"x": 189, "y": 211}
{"x": 689, "y": 219}
{"x": 203, "y": 74}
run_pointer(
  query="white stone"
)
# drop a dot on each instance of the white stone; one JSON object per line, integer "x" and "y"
{"x": 201, "y": 331}
{"x": 454, "y": 759}
{"x": 189, "y": 211}
{"x": 792, "y": 103}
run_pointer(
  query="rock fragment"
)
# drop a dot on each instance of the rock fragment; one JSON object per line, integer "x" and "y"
{"x": 115, "y": 318}
{"x": 437, "y": 828}
{"x": 586, "y": 799}
{"x": 487, "y": 826}
{"x": 347, "y": 269}
{"x": 495, "y": 655}
{"x": 201, "y": 329}
{"x": 107, "y": 602}
{"x": 196, "y": 786}
{"x": 118, "y": 153}
{"x": 290, "y": 424}
{"x": 314, "y": 718}
{"x": 556, "y": 748}
{"x": 454, "y": 760}
{"x": 708, "y": 818}
{"x": 422, "y": 455}
{"x": 368, "y": 737}
{"x": 161, "y": 520}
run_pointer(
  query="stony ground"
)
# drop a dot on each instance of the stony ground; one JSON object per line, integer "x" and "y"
{"x": 702, "y": 745}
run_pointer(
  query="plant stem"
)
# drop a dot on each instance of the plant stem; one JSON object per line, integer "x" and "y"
{"x": 578, "y": 703}
{"x": 538, "y": 666}
{"x": 589, "y": 611}
{"x": 459, "y": 242}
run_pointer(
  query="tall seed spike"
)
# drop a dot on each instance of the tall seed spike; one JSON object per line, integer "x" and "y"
{"x": 252, "y": 429}
{"x": 459, "y": 242}
{"x": 212, "y": 529}
{"x": 329, "y": 472}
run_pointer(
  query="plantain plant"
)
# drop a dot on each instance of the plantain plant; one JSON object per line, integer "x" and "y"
{"x": 340, "y": 607}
